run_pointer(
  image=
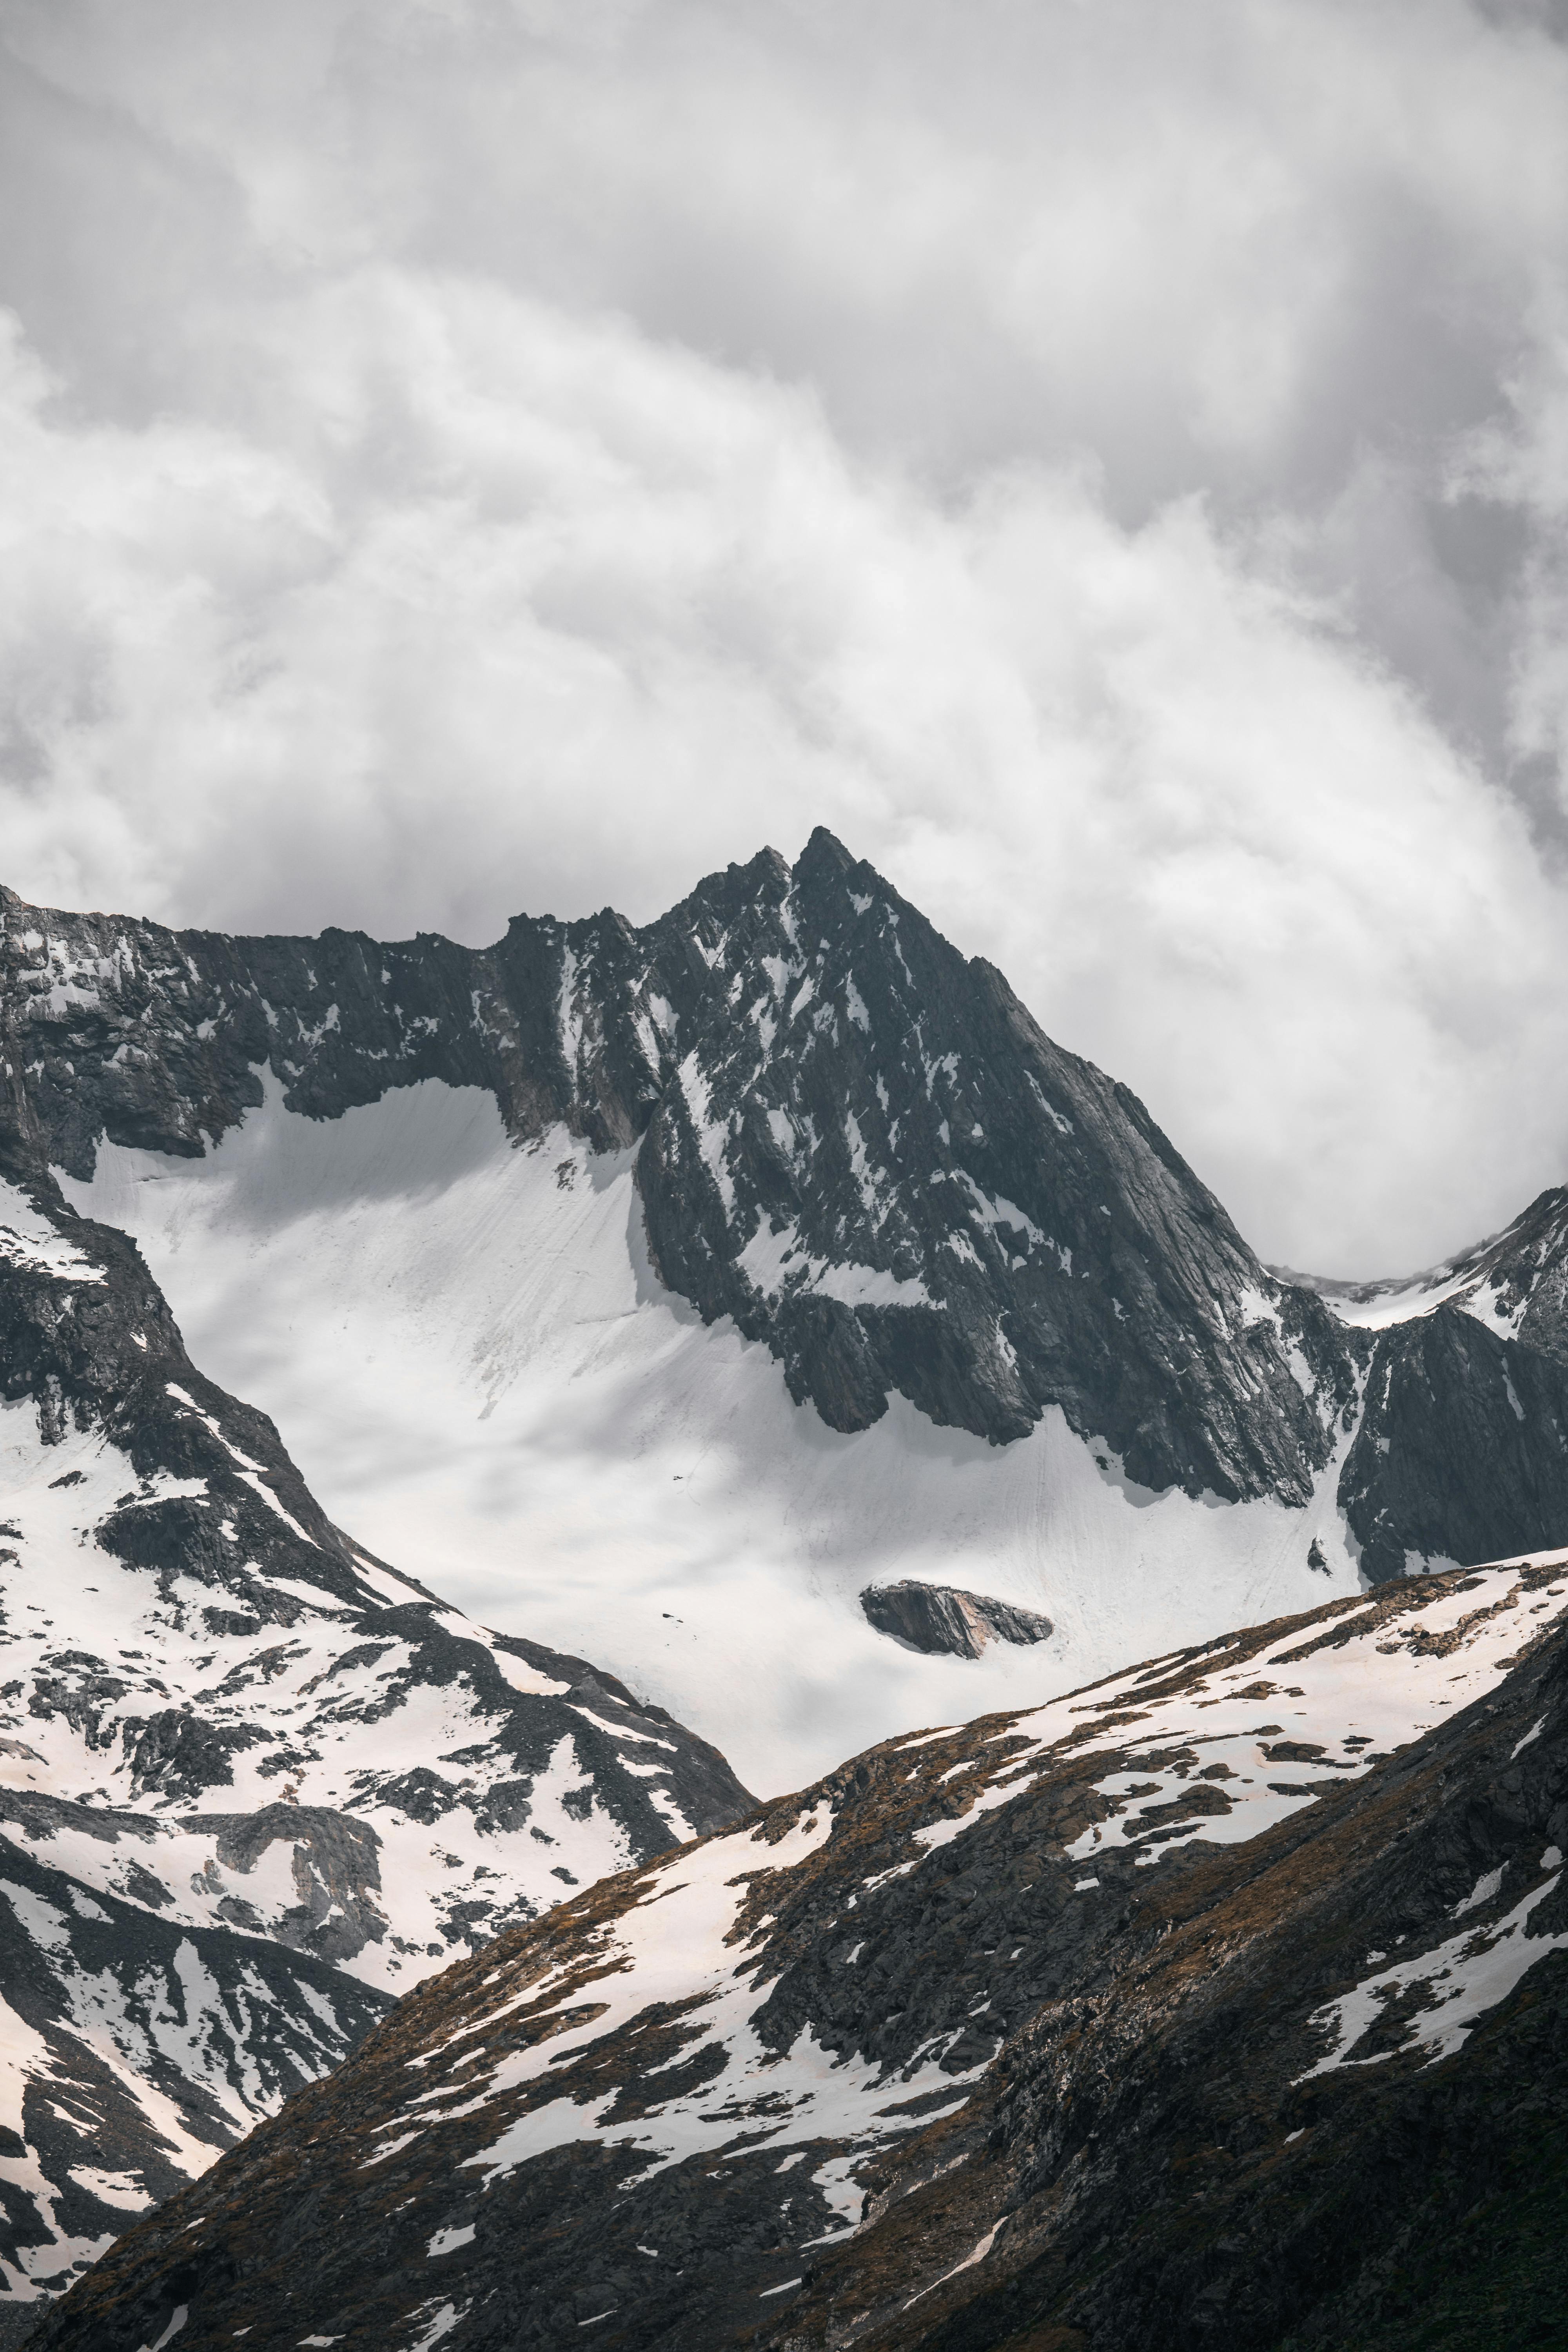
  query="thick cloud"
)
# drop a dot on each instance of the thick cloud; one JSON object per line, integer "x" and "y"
{"x": 1109, "y": 464}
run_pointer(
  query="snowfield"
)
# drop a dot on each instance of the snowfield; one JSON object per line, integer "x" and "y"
{"x": 467, "y": 1351}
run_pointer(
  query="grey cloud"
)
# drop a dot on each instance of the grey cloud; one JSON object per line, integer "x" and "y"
{"x": 1105, "y": 462}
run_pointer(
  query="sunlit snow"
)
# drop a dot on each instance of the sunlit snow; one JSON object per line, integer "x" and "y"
{"x": 468, "y": 1354}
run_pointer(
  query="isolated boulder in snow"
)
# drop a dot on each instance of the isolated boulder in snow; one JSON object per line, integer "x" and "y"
{"x": 938, "y": 1617}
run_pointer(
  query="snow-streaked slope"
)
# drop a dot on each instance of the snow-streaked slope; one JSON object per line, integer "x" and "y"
{"x": 132, "y": 2049}
{"x": 252, "y": 1780}
{"x": 140, "y": 2033}
{"x": 326, "y": 1714}
{"x": 1202, "y": 1755}
{"x": 826, "y": 2076}
{"x": 464, "y": 1346}
{"x": 220, "y": 1852}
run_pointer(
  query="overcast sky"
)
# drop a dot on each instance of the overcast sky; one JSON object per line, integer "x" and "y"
{"x": 1106, "y": 459}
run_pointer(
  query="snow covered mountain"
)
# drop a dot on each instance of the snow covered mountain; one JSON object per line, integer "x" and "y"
{"x": 757, "y": 1304}
{"x": 252, "y": 1782}
{"x": 829, "y": 1106}
{"x": 1220, "y": 2002}
{"x": 656, "y": 1293}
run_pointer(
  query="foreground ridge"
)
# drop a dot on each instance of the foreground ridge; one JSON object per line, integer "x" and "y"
{"x": 1198, "y": 2007}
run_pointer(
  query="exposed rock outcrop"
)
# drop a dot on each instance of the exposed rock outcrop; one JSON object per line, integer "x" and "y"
{"x": 935, "y": 1617}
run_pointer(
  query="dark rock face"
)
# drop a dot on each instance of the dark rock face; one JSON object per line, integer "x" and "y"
{"x": 1462, "y": 1449}
{"x": 335, "y": 1867}
{"x": 938, "y": 1617}
{"x": 860, "y": 1147}
{"x": 854, "y": 1141}
{"x": 877, "y": 1161}
{"x": 1526, "y": 1271}
{"x": 1169, "y": 2015}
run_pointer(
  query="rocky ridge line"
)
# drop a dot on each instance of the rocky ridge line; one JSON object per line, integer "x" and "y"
{"x": 862, "y": 1148}
{"x": 852, "y": 1140}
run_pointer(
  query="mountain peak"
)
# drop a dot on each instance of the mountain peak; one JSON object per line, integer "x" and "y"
{"x": 853, "y": 1143}
{"x": 823, "y": 853}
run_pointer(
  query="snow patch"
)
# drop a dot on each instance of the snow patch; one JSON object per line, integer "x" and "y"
{"x": 1462, "y": 1979}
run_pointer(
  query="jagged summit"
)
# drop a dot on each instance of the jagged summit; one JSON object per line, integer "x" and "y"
{"x": 852, "y": 1140}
